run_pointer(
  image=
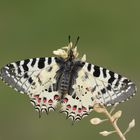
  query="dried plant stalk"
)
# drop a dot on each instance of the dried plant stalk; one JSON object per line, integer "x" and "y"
{"x": 114, "y": 124}
{"x": 102, "y": 109}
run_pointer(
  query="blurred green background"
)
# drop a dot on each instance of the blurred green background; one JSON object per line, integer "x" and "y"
{"x": 110, "y": 36}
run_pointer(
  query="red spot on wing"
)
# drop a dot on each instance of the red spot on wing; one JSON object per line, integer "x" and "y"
{"x": 65, "y": 100}
{"x": 69, "y": 106}
{"x": 79, "y": 110}
{"x": 44, "y": 99}
{"x": 39, "y": 100}
{"x": 56, "y": 97}
{"x": 50, "y": 101}
{"x": 74, "y": 107}
{"x": 36, "y": 96}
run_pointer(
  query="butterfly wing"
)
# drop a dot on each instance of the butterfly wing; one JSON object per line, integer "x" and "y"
{"x": 96, "y": 84}
{"x": 35, "y": 77}
{"x": 109, "y": 87}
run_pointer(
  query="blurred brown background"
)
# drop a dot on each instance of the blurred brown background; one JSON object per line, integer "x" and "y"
{"x": 110, "y": 36}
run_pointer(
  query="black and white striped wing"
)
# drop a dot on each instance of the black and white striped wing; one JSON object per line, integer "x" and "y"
{"x": 96, "y": 84}
{"x": 36, "y": 78}
{"x": 109, "y": 87}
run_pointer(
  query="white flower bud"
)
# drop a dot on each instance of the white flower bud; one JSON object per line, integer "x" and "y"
{"x": 99, "y": 109}
{"x": 61, "y": 53}
{"x": 70, "y": 45}
{"x": 96, "y": 121}
{"x": 74, "y": 50}
{"x": 65, "y": 47}
{"x": 57, "y": 52}
{"x": 83, "y": 59}
{"x": 117, "y": 115}
{"x": 132, "y": 124}
{"x": 75, "y": 53}
{"x": 106, "y": 133}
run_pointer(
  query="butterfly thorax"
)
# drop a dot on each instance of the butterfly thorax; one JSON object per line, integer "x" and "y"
{"x": 67, "y": 75}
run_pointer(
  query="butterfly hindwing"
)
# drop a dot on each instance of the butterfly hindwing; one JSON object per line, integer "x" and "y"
{"x": 80, "y": 103}
{"x": 35, "y": 77}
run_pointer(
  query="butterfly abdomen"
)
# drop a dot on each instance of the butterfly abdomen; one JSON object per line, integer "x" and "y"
{"x": 64, "y": 82}
{"x": 66, "y": 77}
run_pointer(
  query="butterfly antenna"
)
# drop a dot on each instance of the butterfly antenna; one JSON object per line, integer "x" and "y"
{"x": 69, "y": 38}
{"x": 77, "y": 40}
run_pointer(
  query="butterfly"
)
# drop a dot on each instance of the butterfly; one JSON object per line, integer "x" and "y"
{"x": 66, "y": 79}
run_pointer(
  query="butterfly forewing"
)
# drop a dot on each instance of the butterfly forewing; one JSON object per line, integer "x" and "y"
{"x": 109, "y": 87}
